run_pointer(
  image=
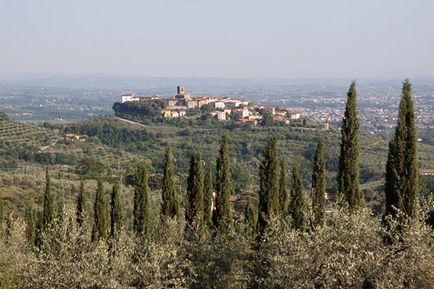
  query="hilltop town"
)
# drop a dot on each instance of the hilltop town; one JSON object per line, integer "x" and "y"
{"x": 183, "y": 105}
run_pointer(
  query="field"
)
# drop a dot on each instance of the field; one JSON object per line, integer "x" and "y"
{"x": 18, "y": 133}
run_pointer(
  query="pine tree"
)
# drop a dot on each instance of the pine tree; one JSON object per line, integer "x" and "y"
{"x": 170, "y": 202}
{"x": 100, "y": 227}
{"x": 195, "y": 188}
{"x": 48, "y": 210}
{"x": 141, "y": 201}
{"x": 298, "y": 206}
{"x": 207, "y": 197}
{"x": 116, "y": 213}
{"x": 348, "y": 171}
{"x": 401, "y": 187}
{"x": 81, "y": 205}
{"x": 222, "y": 217}
{"x": 268, "y": 185}
{"x": 283, "y": 189}
{"x": 318, "y": 186}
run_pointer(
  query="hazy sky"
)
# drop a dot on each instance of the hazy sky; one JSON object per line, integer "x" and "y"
{"x": 218, "y": 38}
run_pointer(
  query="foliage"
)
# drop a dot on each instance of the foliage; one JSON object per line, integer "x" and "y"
{"x": 81, "y": 205}
{"x": 267, "y": 117}
{"x": 401, "y": 186}
{"x": 269, "y": 184}
{"x": 348, "y": 172}
{"x": 208, "y": 197}
{"x": 141, "y": 224}
{"x": 150, "y": 108}
{"x": 1, "y": 210}
{"x": 318, "y": 186}
{"x": 221, "y": 262}
{"x": 251, "y": 220}
{"x": 169, "y": 192}
{"x": 91, "y": 167}
{"x": 116, "y": 212}
{"x": 426, "y": 185}
{"x": 100, "y": 210}
{"x": 283, "y": 189}
{"x": 48, "y": 209}
{"x": 194, "y": 211}
{"x": 348, "y": 252}
{"x": 298, "y": 204}
{"x": 222, "y": 216}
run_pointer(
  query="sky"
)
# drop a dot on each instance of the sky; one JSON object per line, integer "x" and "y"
{"x": 218, "y": 38}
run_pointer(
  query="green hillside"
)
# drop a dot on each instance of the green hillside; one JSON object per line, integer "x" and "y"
{"x": 18, "y": 133}
{"x": 113, "y": 147}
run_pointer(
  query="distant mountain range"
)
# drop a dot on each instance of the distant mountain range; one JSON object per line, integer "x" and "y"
{"x": 101, "y": 81}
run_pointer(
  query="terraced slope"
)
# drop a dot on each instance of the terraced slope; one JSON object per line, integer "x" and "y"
{"x": 20, "y": 134}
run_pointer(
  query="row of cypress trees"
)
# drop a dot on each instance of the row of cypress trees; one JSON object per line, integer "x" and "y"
{"x": 205, "y": 210}
{"x": 274, "y": 199}
{"x": 401, "y": 185}
{"x": 207, "y": 206}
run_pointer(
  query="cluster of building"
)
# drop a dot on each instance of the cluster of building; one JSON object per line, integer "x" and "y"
{"x": 220, "y": 108}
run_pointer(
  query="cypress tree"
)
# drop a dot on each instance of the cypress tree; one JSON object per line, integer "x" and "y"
{"x": 48, "y": 209}
{"x": 170, "y": 202}
{"x": 60, "y": 210}
{"x": 318, "y": 186}
{"x": 81, "y": 205}
{"x": 223, "y": 215}
{"x": 401, "y": 187}
{"x": 207, "y": 197}
{"x": 195, "y": 187}
{"x": 100, "y": 227}
{"x": 298, "y": 206}
{"x": 116, "y": 216}
{"x": 283, "y": 189}
{"x": 141, "y": 201}
{"x": 1, "y": 212}
{"x": 348, "y": 171}
{"x": 251, "y": 219}
{"x": 31, "y": 225}
{"x": 268, "y": 185}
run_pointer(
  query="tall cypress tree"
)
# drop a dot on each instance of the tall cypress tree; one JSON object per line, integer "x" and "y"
{"x": 223, "y": 216}
{"x": 318, "y": 186}
{"x": 100, "y": 227}
{"x": 268, "y": 185}
{"x": 1, "y": 212}
{"x": 60, "y": 210}
{"x": 283, "y": 189}
{"x": 401, "y": 187}
{"x": 298, "y": 206}
{"x": 141, "y": 224}
{"x": 251, "y": 219}
{"x": 116, "y": 216}
{"x": 207, "y": 197}
{"x": 48, "y": 210}
{"x": 348, "y": 172}
{"x": 170, "y": 202}
{"x": 81, "y": 205}
{"x": 195, "y": 186}
{"x": 31, "y": 225}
